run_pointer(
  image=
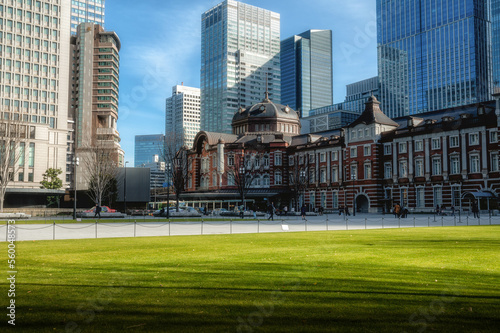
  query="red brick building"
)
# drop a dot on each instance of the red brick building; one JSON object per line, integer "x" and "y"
{"x": 445, "y": 158}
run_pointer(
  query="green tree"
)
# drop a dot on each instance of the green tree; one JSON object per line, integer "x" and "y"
{"x": 52, "y": 181}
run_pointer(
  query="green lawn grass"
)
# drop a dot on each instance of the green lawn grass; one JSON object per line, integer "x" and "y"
{"x": 391, "y": 280}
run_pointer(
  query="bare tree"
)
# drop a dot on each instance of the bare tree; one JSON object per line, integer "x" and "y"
{"x": 242, "y": 173}
{"x": 176, "y": 165}
{"x": 12, "y": 152}
{"x": 299, "y": 178}
{"x": 99, "y": 170}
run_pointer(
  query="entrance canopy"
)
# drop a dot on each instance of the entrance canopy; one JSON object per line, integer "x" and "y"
{"x": 480, "y": 195}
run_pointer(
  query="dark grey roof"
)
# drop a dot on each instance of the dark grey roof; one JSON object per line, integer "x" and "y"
{"x": 266, "y": 109}
{"x": 373, "y": 114}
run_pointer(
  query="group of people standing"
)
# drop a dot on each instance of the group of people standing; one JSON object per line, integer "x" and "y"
{"x": 400, "y": 211}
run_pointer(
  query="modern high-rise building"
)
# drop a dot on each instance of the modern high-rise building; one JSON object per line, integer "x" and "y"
{"x": 306, "y": 71}
{"x": 240, "y": 59}
{"x": 34, "y": 76}
{"x": 86, "y": 11}
{"x": 495, "y": 23}
{"x": 146, "y": 148}
{"x": 94, "y": 88}
{"x": 182, "y": 116}
{"x": 433, "y": 55}
{"x": 357, "y": 94}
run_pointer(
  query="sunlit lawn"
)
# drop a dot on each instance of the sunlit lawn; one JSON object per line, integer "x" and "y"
{"x": 392, "y": 280}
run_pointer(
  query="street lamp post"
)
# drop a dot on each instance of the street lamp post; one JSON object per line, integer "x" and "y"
{"x": 76, "y": 162}
{"x": 125, "y": 188}
{"x": 353, "y": 178}
{"x": 302, "y": 181}
{"x": 167, "y": 180}
{"x": 243, "y": 183}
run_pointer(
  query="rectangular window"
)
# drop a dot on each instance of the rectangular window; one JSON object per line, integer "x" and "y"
{"x": 436, "y": 166}
{"x": 419, "y": 168}
{"x": 354, "y": 152}
{"x": 436, "y": 143}
{"x": 404, "y": 197}
{"x": 335, "y": 175}
{"x": 277, "y": 159}
{"x": 368, "y": 171}
{"x": 335, "y": 199}
{"x": 438, "y": 196}
{"x": 367, "y": 150}
{"x": 494, "y": 162}
{"x": 493, "y": 137}
{"x": 31, "y": 155}
{"x": 473, "y": 139}
{"x": 454, "y": 165}
{"x": 291, "y": 161}
{"x": 322, "y": 157}
{"x": 322, "y": 175}
{"x": 403, "y": 169}
{"x": 420, "y": 194}
{"x": 454, "y": 143}
{"x": 474, "y": 164}
{"x": 323, "y": 199}
{"x": 403, "y": 148}
{"x": 388, "y": 170}
{"x": 230, "y": 160}
{"x": 335, "y": 156}
{"x": 22, "y": 147}
{"x": 387, "y": 149}
{"x": 354, "y": 172}
{"x": 419, "y": 145}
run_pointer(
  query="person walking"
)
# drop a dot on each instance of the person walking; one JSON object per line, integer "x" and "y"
{"x": 438, "y": 210}
{"x": 285, "y": 210}
{"x": 303, "y": 212}
{"x": 346, "y": 211}
{"x": 397, "y": 210}
{"x": 97, "y": 211}
{"x": 452, "y": 210}
{"x": 341, "y": 210}
{"x": 475, "y": 209}
{"x": 271, "y": 212}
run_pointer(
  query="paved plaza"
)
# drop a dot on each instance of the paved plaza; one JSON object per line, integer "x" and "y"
{"x": 140, "y": 227}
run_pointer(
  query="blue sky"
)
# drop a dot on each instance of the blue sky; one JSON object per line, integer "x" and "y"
{"x": 161, "y": 45}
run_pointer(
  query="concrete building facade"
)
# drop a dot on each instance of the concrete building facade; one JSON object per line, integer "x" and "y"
{"x": 94, "y": 98}
{"x": 34, "y": 76}
{"x": 182, "y": 115}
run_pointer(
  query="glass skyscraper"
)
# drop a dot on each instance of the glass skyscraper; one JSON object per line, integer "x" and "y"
{"x": 495, "y": 22}
{"x": 433, "y": 54}
{"x": 146, "y": 147}
{"x": 240, "y": 57}
{"x": 86, "y": 11}
{"x": 306, "y": 71}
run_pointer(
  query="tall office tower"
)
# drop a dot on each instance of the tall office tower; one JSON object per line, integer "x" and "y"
{"x": 433, "y": 54}
{"x": 240, "y": 52}
{"x": 95, "y": 87}
{"x": 148, "y": 148}
{"x": 495, "y": 22}
{"x": 34, "y": 76}
{"x": 306, "y": 71}
{"x": 182, "y": 116}
{"x": 86, "y": 11}
{"x": 357, "y": 94}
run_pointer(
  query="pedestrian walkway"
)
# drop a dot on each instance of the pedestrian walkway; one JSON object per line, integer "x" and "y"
{"x": 57, "y": 231}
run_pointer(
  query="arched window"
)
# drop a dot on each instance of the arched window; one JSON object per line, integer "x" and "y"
{"x": 266, "y": 161}
{"x": 257, "y": 181}
{"x": 265, "y": 180}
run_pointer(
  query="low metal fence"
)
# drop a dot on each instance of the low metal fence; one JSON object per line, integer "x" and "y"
{"x": 138, "y": 228}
